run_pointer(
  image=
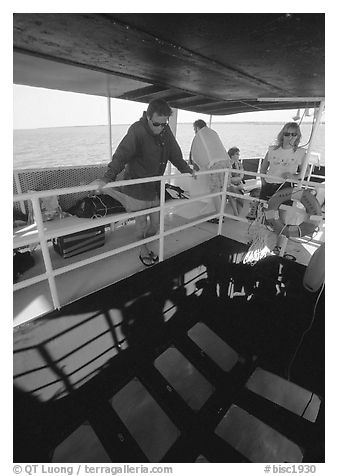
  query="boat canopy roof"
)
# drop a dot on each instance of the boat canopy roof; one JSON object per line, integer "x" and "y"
{"x": 215, "y": 63}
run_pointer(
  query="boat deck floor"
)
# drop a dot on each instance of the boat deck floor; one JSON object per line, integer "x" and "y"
{"x": 36, "y": 300}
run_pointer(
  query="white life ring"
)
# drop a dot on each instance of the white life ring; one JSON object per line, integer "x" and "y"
{"x": 309, "y": 201}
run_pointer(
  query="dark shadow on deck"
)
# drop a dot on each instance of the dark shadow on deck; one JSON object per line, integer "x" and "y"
{"x": 73, "y": 367}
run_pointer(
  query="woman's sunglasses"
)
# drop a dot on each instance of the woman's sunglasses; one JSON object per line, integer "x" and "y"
{"x": 293, "y": 134}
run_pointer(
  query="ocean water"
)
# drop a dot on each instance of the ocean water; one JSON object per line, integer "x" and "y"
{"x": 83, "y": 145}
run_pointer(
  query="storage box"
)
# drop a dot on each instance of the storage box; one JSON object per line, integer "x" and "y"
{"x": 76, "y": 243}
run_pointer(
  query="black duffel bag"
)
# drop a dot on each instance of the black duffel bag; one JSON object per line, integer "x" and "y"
{"x": 172, "y": 192}
{"x": 22, "y": 261}
{"x": 96, "y": 206}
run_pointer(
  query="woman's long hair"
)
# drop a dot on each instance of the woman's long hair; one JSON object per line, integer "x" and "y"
{"x": 288, "y": 127}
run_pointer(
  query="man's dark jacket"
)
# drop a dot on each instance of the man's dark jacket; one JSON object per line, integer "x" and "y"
{"x": 142, "y": 154}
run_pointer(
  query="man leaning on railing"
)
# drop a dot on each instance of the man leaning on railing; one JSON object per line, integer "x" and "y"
{"x": 144, "y": 152}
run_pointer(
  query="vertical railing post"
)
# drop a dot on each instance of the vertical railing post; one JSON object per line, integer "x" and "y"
{"x": 45, "y": 251}
{"x": 19, "y": 190}
{"x": 260, "y": 160}
{"x": 223, "y": 201}
{"x": 162, "y": 202}
{"x": 310, "y": 173}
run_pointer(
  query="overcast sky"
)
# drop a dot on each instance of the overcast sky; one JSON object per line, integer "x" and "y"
{"x": 38, "y": 107}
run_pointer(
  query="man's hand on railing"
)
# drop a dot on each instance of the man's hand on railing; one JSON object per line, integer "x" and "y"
{"x": 100, "y": 184}
{"x": 193, "y": 174}
{"x": 263, "y": 179}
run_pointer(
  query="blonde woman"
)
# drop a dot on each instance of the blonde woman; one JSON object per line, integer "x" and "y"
{"x": 284, "y": 160}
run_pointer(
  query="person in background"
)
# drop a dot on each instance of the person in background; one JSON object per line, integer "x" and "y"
{"x": 208, "y": 153}
{"x": 284, "y": 160}
{"x": 237, "y": 182}
{"x": 144, "y": 152}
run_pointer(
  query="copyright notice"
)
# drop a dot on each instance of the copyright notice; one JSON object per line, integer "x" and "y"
{"x": 32, "y": 469}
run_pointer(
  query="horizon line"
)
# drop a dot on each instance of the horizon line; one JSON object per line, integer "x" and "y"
{"x": 127, "y": 123}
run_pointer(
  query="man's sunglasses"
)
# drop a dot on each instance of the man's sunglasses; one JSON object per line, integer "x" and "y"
{"x": 158, "y": 124}
{"x": 293, "y": 134}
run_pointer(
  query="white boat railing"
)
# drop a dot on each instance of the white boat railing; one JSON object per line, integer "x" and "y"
{"x": 45, "y": 231}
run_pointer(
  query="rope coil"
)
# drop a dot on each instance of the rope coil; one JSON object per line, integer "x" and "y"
{"x": 258, "y": 248}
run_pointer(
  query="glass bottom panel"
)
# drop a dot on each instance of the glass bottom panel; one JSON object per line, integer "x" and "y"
{"x": 188, "y": 382}
{"x": 152, "y": 429}
{"x": 82, "y": 446}
{"x": 255, "y": 440}
{"x": 286, "y": 394}
{"x": 214, "y": 347}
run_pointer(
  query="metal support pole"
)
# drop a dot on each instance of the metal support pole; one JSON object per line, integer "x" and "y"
{"x": 110, "y": 151}
{"x": 173, "y": 127}
{"x": 313, "y": 137}
{"x": 173, "y": 122}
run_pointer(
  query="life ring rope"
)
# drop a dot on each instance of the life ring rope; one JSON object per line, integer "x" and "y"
{"x": 310, "y": 203}
{"x": 296, "y": 227}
